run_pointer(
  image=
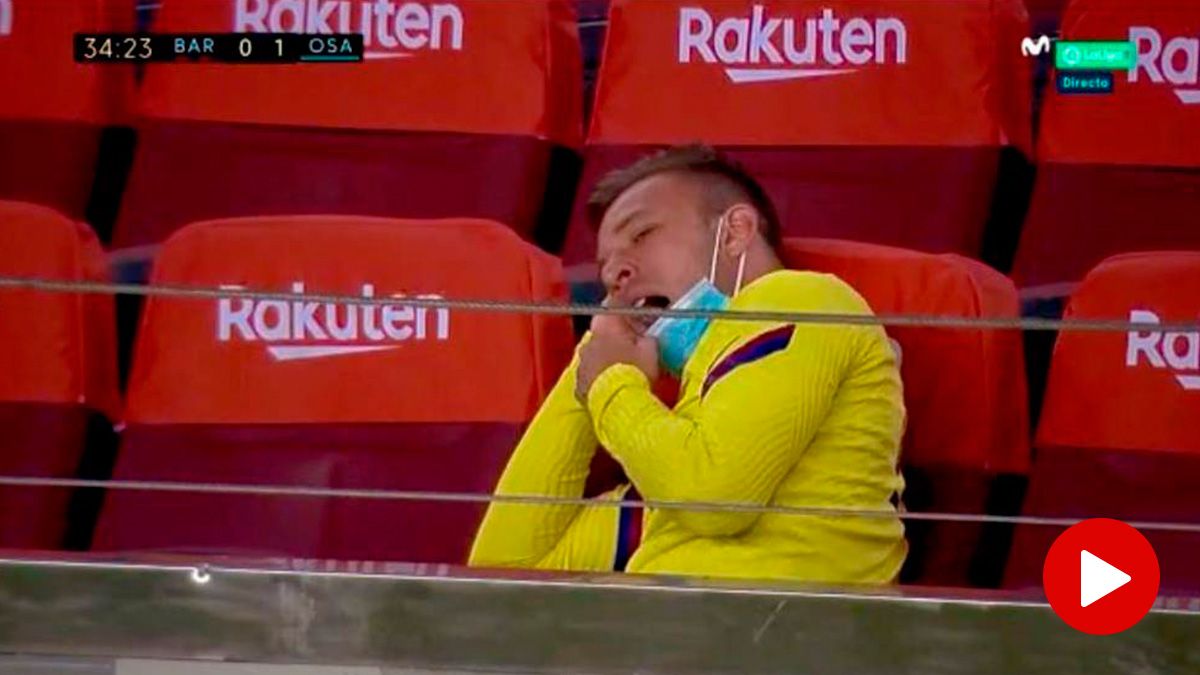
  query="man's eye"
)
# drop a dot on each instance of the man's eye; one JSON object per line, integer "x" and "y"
{"x": 637, "y": 238}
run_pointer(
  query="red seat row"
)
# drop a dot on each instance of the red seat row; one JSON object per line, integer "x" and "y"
{"x": 53, "y": 110}
{"x": 891, "y": 125}
{"x": 878, "y": 124}
{"x": 1118, "y": 173}
{"x": 340, "y": 394}
{"x": 1118, "y": 436}
{"x": 863, "y": 123}
{"x": 456, "y": 112}
{"x": 59, "y": 363}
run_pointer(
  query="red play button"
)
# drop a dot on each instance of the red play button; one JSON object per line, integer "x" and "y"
{"x": 1101, "y": 576}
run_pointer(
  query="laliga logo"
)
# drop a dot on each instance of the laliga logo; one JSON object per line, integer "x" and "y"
{"x": 6, "y": 17}
{"x": 1177, "y": 62}
{"x": 410, "y": 26}
{"x": 765, "y": 43}
{"x": 1180, "y": 352}
{"x": 291, "y": 328}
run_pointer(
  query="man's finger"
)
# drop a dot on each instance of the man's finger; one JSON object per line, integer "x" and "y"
{"x": 612, "y": 324}
{"x": 615, "y": 323}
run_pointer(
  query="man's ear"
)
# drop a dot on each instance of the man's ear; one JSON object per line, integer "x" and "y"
{"x": 741, "y": 226}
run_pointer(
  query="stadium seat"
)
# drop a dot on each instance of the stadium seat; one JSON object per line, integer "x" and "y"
{"x": 332, "y": 395}
{"x": 457, "y": 111}
{"x": 964, "y": 389}
{"x": 890, "y": 131}
{"x": 54, "y": 110}
{"x": 59, "y": 365}
{"x": 1121, "y": 172}
{"x": 1118, "y": 435}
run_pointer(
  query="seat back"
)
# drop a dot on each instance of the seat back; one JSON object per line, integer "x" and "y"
{"x": 964, "y": 389}
{"x": 866, "y": 123}
{"x": 1121, "y": 172}
{"x": 453, "y": 113}
{"x": 59, "y": 365}
{"x": 54, "y": 109}
{"x": 1117, "y": 436}
{"x": 333, "y": 394}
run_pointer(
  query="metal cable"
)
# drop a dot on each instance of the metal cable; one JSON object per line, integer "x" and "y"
{"x": 952, "y": 322}
{"x": 554, "y": 308}
{"x": 485, "y": 498}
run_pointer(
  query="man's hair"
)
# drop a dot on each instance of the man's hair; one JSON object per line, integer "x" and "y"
{"x": 725, "y": 183}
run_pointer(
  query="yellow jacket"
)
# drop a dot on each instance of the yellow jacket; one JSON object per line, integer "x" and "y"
{"x": 769, "y": 414}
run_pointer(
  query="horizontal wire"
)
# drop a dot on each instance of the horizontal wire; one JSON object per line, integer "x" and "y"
{"x": 555, "y": 308}
{"x": 542, "y": 500}
{"x": 198, "y": 292}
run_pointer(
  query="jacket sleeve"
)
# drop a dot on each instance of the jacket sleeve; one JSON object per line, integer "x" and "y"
{"x": 551, "y": 460}
{"x": 755, "y": 418}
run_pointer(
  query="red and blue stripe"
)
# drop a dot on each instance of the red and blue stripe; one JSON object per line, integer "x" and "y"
{"x": 629, "y": 531}
{"x": 761, "y": 346}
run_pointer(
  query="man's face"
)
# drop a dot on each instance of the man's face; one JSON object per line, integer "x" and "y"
{"x": 655, "y": 242}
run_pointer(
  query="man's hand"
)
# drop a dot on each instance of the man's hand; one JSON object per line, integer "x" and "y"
{"x": 613, "y": 341}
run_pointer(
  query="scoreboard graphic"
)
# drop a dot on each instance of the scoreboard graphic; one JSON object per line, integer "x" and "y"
{"x": 249, "y": 48}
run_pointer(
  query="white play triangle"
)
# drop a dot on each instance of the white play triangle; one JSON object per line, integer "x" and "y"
{"x": 1097, "y": 578}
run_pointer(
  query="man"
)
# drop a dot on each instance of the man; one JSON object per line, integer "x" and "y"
{"x": 769, "y": 413}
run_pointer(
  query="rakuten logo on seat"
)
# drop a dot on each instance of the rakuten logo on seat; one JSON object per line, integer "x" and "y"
{"x": 1176, "y": 61}
{"x": 6, "y": 17}
{"x": 389, "y": 30}
{"x": 1177, "y": 352}
{"x": 755, "y": 47}
{"x": 300, "y": 329}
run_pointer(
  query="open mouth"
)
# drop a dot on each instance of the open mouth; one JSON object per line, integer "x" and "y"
{"x": 658, "y": 301}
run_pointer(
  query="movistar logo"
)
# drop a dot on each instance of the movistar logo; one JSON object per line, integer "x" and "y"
{"x": 1030, "y": 47}
{"x": 765, "y": 48}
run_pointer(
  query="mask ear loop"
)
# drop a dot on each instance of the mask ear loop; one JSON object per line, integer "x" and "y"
{"x": 712, "y": 270}
{"x": 737, "y": 287}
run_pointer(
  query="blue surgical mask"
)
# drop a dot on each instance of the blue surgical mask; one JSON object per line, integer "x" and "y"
{"x": 678, "y": 336}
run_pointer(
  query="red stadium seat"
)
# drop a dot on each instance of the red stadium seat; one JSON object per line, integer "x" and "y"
{"x": 964, "y": 389}
{"x": 455, "y": 113}
{"x": 332, "y": 395}
{"x": 59, "y": 365}
{"x": 1118, "y": 435}
{"x": 889, "y": 131}
{"x": 53, "y": 109}
{"x": 1121, "y": 172}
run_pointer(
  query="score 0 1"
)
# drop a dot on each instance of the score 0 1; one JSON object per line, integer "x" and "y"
{"x": 231, "y": 47}
{"x": 270, "y": 47}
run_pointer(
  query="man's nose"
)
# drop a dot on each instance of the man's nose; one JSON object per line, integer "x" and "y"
{"x": 616, "y": 275}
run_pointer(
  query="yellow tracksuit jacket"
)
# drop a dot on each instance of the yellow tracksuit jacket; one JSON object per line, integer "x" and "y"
{"x": 768, "y": 413}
